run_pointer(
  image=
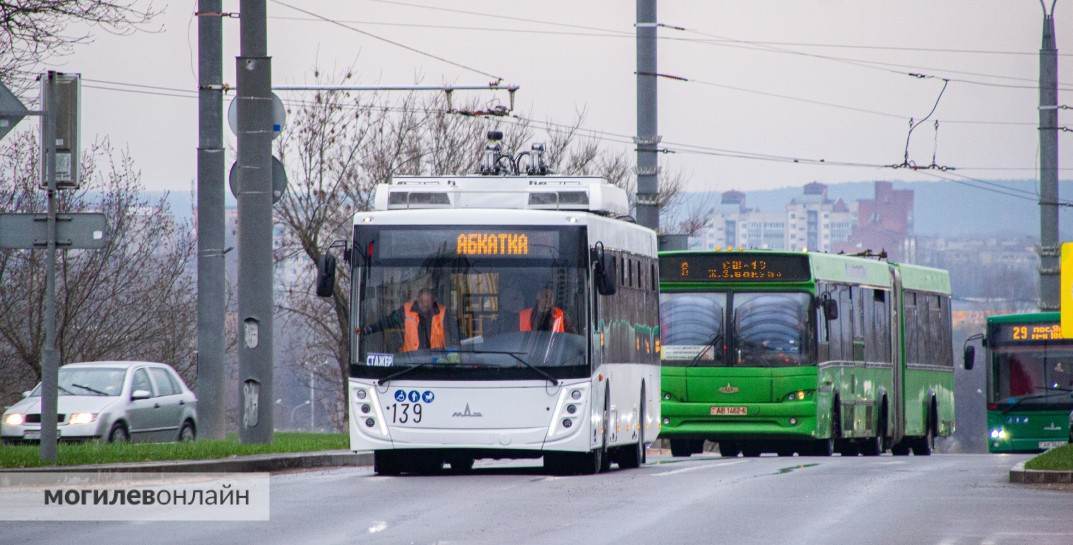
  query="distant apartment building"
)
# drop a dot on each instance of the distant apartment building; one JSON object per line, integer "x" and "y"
{"x": 884, "y": 223}
{"x": 810, "y": 221}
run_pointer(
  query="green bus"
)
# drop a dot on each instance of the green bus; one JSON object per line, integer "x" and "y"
{"x": 813, "y": 353}
{"x": 1029, "y": 382}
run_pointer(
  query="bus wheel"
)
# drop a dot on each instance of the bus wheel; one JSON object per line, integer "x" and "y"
{"x": 681, "y": 448}
{"x": 633, "y": 456}
{"x": 924, "y": 446}
{"x": 463, "y": 464}
{"x": 784, "y": 449}
{"x": 750, "y": 451}
{"x": 824, "y": 447}
{"x": 386, "y": 463}
{"x": 729, "y": 449}
{"x": 873, "y": 446}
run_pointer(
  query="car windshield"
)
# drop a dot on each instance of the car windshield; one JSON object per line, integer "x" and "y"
{"x": 470, "y": 298}
{"x": 763, "y": 329}
{"x": 1031, "y": 375}
{"x": 88, "y": 381}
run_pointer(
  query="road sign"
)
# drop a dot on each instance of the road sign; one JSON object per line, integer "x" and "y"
{"x": 279, "y": 180}
{"x": 88, "y": 231}
{"x": 279, "y": 115}
{"x": 11, "y": 110}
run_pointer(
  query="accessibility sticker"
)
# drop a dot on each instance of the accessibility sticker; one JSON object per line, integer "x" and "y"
{"x": 400, "y": 395}
{"x": 427, "y": 396}
{"x": 415, "y": 396}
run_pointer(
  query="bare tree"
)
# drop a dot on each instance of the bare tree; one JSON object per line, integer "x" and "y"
{"x": 133, "y": 299}
{"x": 31, "y": 31}
{"x": 340, "y": 145}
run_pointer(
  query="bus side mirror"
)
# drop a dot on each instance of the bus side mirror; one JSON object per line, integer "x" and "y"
{"x": 606, "y": 274}
{"x": 326, "y": 275}
{"x": 970, "y": 357}
{"x": 830, "y": 310}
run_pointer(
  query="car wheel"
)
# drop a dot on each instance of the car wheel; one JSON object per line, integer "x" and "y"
{"x": 118, "y": 433}
{"x": 187, "y": 433}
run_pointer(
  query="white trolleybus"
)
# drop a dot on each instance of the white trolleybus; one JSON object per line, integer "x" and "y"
{"x": 501, "y": 316}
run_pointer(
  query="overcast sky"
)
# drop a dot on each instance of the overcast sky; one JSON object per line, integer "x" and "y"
{"x": 561, "y": 72}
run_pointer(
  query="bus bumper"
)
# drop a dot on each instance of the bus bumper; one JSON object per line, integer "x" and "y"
{"x": 790, "y": 420}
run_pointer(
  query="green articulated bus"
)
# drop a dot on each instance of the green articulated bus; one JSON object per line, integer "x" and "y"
{"x": 813, "y": 353}
{"x": 1029, "y": 382}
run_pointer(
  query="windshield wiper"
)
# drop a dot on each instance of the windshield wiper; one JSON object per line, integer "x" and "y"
{"x": 403, "y": 371}
{"x": 1049, "y": 392}
{"x": 554, "y": 381}
{"x": 709, "y": 345}
{"x": 87, "y": 388}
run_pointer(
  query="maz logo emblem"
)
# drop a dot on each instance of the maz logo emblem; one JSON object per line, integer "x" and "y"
{"x": 466, "y": 413}
{"x": 729, "y": 389}
{"x": 1052, "y": 427}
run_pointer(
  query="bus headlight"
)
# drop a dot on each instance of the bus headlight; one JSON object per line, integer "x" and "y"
{"x": 361, "y": 394}
{"x": 799, "y": 395}
{"x": 1000, "y": 433}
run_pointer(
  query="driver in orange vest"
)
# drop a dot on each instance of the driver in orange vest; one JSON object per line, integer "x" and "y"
{"x": 423, "y": 321}
{"x": 544, "y": 315}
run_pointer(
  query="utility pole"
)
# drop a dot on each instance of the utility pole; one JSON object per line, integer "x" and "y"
{"x": 1048, "y": 164}
{"x": 210, "y": 223}
{"x": 255, "y": 298}
{"x": 647, "y": 140}
{"x": 50, "y": 360}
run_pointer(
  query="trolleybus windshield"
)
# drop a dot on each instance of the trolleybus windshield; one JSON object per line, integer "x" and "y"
{"x": 763, "y": 329}
{"x": 1031, "y": 365}
{"x": 471, "y": 301}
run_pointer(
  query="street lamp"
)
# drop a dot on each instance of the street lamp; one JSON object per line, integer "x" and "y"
{"x": 295, "y": 408}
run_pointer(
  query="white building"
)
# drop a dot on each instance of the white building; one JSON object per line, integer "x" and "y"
{"x": 810, "y": 221}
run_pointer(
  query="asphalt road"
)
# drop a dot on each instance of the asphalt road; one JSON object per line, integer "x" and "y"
{"x": 944, "y": 499}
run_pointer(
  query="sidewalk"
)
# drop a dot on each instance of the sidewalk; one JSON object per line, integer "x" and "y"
{"x": 1018, "y": 474}
{"x": 236, "y": 464}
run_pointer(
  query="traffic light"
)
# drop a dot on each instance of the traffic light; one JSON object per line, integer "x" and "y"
{"x": 60, "y": 98}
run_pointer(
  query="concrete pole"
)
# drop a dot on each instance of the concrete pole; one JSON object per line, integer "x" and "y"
{"x": 1048, "y": 166}
{"x": 255, "y": 297}
{"x": 211, "y": 373}
{"x": 647, "y": 140}
{"x": 50, "y": 360}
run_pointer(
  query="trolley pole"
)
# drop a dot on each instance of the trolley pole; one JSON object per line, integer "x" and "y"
{"x": 255, "y": 297}
{"x": 210, "y": 223}
{"x": 647, "y": 139}
{"x": 1048, "y": 164}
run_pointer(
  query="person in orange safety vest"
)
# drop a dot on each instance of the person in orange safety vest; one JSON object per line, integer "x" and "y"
{"x": 544, "y": 315}
{"x": 423, "y": 322}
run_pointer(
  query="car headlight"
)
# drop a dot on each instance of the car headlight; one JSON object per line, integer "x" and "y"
{"x": 81, "y": 418}
{"x": 14, "y": 419}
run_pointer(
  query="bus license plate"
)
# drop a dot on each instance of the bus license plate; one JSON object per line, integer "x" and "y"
{"x": 730, "y": 411}
{"x": 1051, "y": 444}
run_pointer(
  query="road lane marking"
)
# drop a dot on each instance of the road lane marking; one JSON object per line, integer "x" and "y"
{"x": 378, "y": 526}
{"x": 694, "y": 468}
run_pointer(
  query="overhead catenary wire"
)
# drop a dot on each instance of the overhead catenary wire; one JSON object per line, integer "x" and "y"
{"x": 726, "y": 41}
{"x": 625, "y": 139}
{"x": 390, "y": 41}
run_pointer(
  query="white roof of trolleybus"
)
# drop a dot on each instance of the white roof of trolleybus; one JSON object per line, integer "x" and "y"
{"x": 616, "y": 234}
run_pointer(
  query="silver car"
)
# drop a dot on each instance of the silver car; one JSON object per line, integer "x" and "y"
{"x": 110, "y": 400}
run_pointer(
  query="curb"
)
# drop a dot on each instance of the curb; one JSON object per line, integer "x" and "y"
{"x": 235, "y": 464}
{"x": 1018, "y": 474}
